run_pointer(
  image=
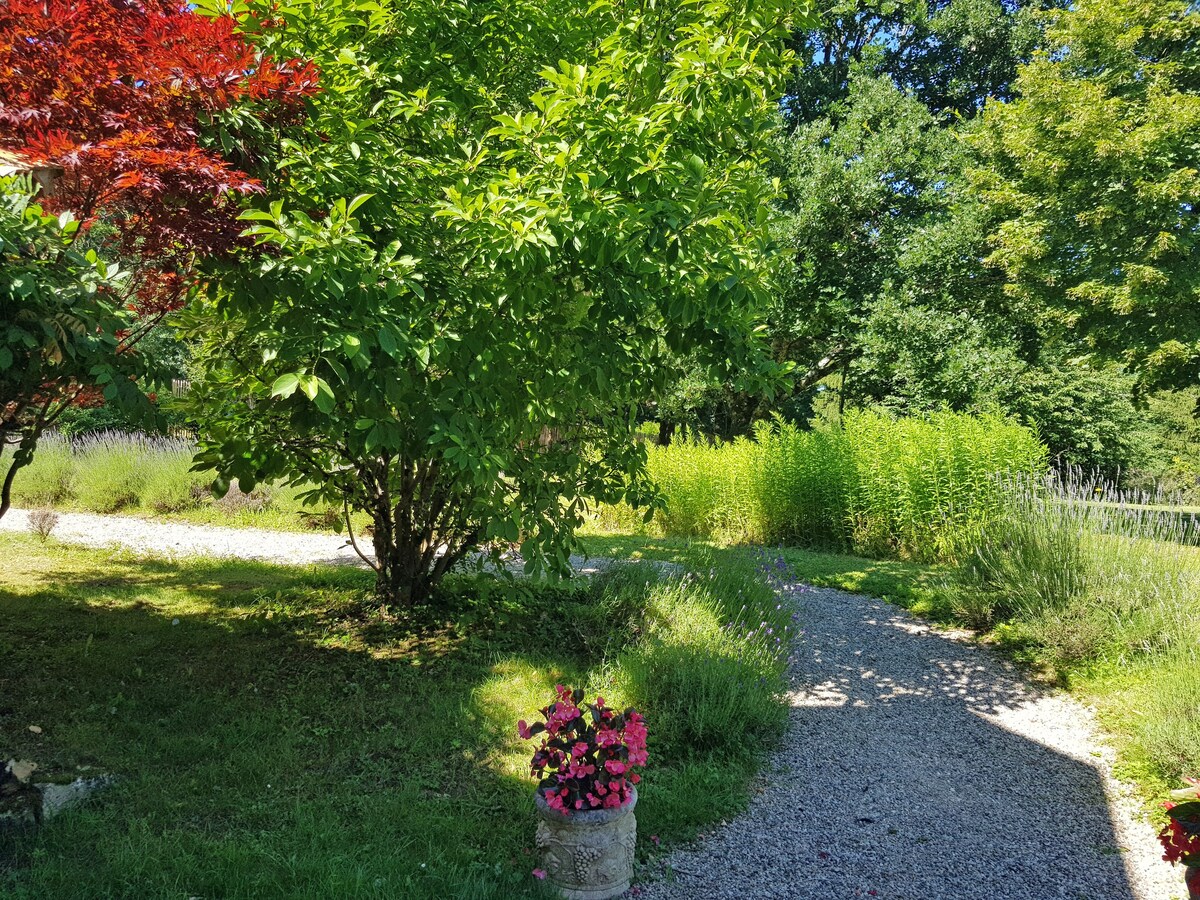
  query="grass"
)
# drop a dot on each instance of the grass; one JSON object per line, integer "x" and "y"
{"x": 1101, "y": 587}
{"x": 908, "y": 488}
{"x": 915, "y": 586}
{"x": 279, "y": 735}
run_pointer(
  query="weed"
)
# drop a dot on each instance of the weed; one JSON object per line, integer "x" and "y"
{"x": 42, "y": 522}
{"x": 914, "y": 488}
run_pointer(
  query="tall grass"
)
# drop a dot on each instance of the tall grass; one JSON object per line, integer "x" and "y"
{"x": 709, "y": 655}
{"x": 879, "y": 486}
{"x": 1103, "y": 584}
{"x": 112, "y": 471}
{"x": 47, "y": 479}
{"x": 1086, "y": 571}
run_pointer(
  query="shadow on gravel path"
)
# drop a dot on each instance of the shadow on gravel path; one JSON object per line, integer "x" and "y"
{"x": 920, "y": 767}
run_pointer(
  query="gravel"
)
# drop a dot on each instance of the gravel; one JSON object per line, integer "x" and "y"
{"x": 919, "y": 766}
{"x": 180, "y": 539}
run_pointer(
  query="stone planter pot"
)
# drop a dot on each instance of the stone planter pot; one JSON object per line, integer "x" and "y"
{"x": 1191, "y": 877}
{"x": 588, "y": 855}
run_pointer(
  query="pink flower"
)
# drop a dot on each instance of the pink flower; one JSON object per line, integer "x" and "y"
{"x": 539, "y": 874}
{"x": 601, "y": 750}
{"x": 654, "y": 840}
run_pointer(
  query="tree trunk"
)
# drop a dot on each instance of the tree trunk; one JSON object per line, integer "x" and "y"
{"x": 397, "y": 579}
{"x": 666, "y": 430}
{"x": 22, "y": 456}
{"x": 419, "y": 532}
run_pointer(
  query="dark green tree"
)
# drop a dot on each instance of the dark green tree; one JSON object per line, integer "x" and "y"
{"x": 951, "y": 55}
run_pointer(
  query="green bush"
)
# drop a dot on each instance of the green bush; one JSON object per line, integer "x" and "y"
{"x": 879, "y": 486}
{"x": 1084, "y": 571}
{"x": 707, "y": 657}
{"x": 168, "y": 482}
{"x": 112, "y": 471}
{"x": 109, "y": 470}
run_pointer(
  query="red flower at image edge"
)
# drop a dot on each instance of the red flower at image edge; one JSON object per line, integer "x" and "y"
{"x": 1178, "y": 844}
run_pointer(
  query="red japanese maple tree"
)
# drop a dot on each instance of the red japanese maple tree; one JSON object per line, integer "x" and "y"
{"x": 126, "y": 101}
{"x": 118, "y": 95}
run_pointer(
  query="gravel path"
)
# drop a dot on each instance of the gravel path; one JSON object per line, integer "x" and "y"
{"x": 177, "y": 539}
{"x": 918, "y": 766}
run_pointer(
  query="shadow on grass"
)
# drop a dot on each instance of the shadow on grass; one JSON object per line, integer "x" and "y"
{"x": 275, "y": 737}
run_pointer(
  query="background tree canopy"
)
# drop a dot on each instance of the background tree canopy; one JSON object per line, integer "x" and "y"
{"x": 1095, "y": 171}
{"x": 986, "y": 208}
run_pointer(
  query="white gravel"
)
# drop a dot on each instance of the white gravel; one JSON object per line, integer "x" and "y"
{"x": 918, "y": 766}
{"x": 174, "y": 540}
{"x": 179, "y": 539}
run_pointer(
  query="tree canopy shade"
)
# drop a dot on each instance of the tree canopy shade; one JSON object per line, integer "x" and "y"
{"x": 118, "y": 99}
{"x": 1094, "y": 172}
{"x": 951, "y": 55}
{"x": 481, "y": 244}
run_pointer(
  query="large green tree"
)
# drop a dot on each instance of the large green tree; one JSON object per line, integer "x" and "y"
{"x": 490, "y": 231}
{"x": 1094, "y": 173}
{"x": 876, "y": 213}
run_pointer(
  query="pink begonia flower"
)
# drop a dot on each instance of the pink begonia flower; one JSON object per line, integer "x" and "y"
{"x": 539, "y": 874}
{"x": 588, "y": 731}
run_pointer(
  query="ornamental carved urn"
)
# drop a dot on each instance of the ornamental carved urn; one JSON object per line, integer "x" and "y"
{"x": 588, "y": 854}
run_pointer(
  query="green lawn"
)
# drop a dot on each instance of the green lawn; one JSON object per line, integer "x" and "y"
{"x": 278, "y": 735}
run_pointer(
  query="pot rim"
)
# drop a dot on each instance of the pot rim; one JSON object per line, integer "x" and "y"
{"x": 585, "y": 817}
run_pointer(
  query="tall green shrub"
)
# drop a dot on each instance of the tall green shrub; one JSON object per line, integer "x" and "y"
{"x": 881, "y": 486}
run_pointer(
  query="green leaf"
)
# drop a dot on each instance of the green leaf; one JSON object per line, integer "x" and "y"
{"x": 285, "y": 385}
{"x": 387, "y": 341}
